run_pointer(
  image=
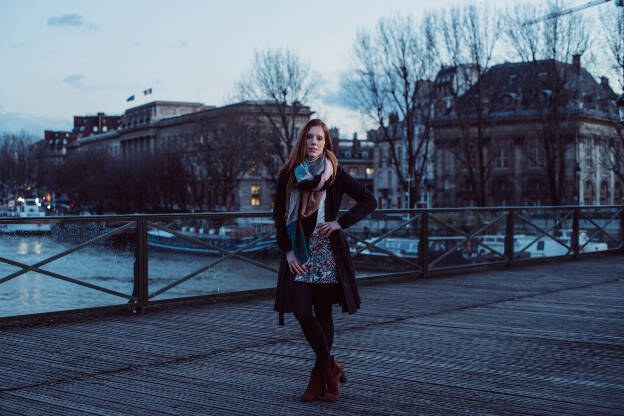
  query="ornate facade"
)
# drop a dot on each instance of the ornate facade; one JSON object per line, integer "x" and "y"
{"x": 514, "y": 127}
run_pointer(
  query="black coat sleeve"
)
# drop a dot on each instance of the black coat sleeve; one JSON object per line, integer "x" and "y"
{"x": 279, "y": 211}
{"x": 365, "y": 199}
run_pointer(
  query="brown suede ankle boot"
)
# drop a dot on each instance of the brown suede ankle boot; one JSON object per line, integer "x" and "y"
{"x": 338, "y": 371}
{"x": 315, "y": 386}
{"x": 331, "y": 385}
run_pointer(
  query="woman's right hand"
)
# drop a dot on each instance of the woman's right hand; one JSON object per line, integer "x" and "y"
{"x": 293, "y": 263}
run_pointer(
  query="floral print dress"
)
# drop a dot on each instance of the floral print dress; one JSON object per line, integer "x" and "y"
{"x": 321, "y": 267}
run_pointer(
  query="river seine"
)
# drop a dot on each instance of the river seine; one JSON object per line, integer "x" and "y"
{"x": 111, "y": 268}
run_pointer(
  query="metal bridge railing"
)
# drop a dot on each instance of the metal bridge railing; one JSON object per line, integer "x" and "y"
{"x": 445, "y": 238}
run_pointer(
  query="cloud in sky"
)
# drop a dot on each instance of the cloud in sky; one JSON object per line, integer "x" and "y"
{"x": 181, "y": 44}
{"x": 70, "y": 20}
{"x": 73, "y": 79}
{"x": 77, "y": 81}
{"x": 20, "y": 45}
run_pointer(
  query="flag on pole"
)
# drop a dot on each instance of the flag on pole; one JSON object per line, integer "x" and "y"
{"x": 131, "y": 98}
{"x": 147, "y": 91}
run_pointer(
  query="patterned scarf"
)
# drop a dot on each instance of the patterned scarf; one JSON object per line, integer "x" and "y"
{"x": 311, "y": 179}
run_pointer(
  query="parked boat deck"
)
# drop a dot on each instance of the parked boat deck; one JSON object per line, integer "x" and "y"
{"x": 537, "y": 340}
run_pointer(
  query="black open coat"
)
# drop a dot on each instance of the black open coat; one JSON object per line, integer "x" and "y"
{"x": 344, "y": 183}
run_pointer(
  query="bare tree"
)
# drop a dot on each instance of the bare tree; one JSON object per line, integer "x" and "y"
{"x": 613, "y": 35}
{"x": 549, "y": 46}
{"x": 394, "y": 66}
{"x": 17, "y": 171}
{"x": 279, "y": 84}
{"x": 469, "y": 36}
{"x": 225, "y": 153}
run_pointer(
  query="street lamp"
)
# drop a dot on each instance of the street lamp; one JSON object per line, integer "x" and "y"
{"x": 620, "y": 106}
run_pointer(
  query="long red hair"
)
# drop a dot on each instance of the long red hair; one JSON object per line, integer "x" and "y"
{"x": 298, "y": 153}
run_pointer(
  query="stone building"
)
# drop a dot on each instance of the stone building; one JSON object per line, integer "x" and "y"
{"x": 169, "y": 126}
{"x": 356, "y": 157}
{"x": 388, "y": 190}
{"x": 515, "y": 125}
{"x": 56, "y": 144}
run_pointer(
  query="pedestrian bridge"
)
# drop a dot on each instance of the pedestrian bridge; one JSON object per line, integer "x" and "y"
{"x": 544, "y": 339}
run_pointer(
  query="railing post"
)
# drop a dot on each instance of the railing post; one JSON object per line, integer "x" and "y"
{"x": 423, "y": 248}
{"x": 140, "y": 265}
{"x": 574, "y": 238}
{"x": 509, "y": 238}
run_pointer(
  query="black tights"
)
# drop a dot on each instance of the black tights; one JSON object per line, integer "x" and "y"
{"x": 318, "y": 329}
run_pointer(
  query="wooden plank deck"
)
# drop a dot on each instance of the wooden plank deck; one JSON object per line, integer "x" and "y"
{"x": 538, "y": 340}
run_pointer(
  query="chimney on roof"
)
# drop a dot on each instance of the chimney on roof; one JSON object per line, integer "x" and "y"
{"x": 356, "y": 145}
{"x": 604, "y": 81}
{"x": 576, "y": 62}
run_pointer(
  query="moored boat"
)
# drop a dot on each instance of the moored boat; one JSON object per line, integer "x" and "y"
{"x": 27, "y": 208}
{"x": 227, "y": 239}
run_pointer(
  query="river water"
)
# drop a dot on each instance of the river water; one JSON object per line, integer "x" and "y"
{"x": 112, "y": 268}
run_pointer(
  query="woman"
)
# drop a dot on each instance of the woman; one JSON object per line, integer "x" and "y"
{"x": 316, "y": 270}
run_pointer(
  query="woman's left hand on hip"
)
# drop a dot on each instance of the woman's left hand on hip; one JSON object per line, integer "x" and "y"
{"x": 328, "y": 227}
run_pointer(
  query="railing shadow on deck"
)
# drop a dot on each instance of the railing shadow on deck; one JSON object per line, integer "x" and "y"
{"x": 397, "y": 242}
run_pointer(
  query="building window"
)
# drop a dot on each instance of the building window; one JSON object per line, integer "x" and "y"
{"x": 353, "y": 171}
{"x": 588, "y": 193}
{"x": 536, "y": 154}
{"x": 589, "y": 161}
{"x": 503, "y": 192}
{"x": 380, "y": 179}
{"x": 255, "y": 195}
{"x": 369, "y": 172}
{"x": 535, "y": 192}
{"x": 604, "y": 193}
{"x": 617, "y": 193}
{"x": 501, "y": 159}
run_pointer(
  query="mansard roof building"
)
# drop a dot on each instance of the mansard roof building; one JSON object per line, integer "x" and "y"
{"x": 529, "y": 133}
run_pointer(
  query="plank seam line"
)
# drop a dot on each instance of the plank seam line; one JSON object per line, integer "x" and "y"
{"x": 155, "y": 364}
{"x": 476, "y": 305}
{"x": 196, "y": 357}
{"x": 459, "y": 387}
